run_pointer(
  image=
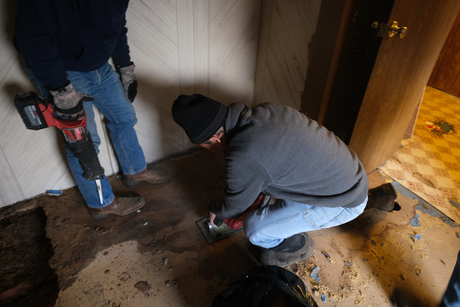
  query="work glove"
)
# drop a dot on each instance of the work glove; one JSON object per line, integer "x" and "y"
{"x": 129, "y": 81}
{"x": 68, "y": 102}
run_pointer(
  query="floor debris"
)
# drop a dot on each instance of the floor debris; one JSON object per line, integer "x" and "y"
{"x": 103, "y": 260}
{"x": 315, "y": 275}
{"x": 328, "y": 257}
{"x": 440, "y": 127}
{"x": 143, "y": 286}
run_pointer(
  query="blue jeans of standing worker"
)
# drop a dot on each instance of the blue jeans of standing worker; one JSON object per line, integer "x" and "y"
{"x": 267, "y": 227}
{"x": 104, "y": 85}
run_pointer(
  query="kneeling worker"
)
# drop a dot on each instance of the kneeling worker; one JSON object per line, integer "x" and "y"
{"x": 318, "y": 181}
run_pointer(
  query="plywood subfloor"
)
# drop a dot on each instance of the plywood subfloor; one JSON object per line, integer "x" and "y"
{"x": 158, "y": 257}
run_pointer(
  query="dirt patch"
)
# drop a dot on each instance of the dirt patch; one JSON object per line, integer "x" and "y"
{"x": 27, "y": 279}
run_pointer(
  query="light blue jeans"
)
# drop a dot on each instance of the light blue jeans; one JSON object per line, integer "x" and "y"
{"x": 104, "y": 85}
{"x": 267, "y": 227}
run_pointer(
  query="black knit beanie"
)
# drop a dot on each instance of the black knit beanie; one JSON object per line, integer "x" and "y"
{"x": 199, "y": 116}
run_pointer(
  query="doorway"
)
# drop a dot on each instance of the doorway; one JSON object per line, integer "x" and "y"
{"x": 446, "y": 73}
{"x": 355, "y": 66}
{"x": 428, "y": 161}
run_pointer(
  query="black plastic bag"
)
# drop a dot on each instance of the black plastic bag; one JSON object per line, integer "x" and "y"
{"x": 257, "y": 287}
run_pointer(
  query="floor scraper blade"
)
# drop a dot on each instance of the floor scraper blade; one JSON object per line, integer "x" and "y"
{"x": 215, "y": 233}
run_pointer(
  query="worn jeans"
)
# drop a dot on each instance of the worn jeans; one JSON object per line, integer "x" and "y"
{"x": 104, "y": 85}
{"x": 267, "y": 227}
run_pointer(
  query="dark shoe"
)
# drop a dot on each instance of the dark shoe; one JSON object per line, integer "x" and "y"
{"x": 293, "y": 249}
{"x": 382, "y": 198}
{"x": 147, "y": 175}
{"x": 119, "y": 206}
{"x": 403, "y": 297}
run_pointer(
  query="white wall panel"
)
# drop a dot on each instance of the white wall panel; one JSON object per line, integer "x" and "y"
{"x": 287, "y": 28}
{"x": 178, "y": 46}
{"x": 10, "y": 190}
{"x": 201, "y": 21}
{"x": 234, "y": 32}
{"x": 153, "y": 39}
{"x": 31, "y": 161}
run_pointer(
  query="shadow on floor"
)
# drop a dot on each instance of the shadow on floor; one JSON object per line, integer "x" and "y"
{"x": 158, "y": 257}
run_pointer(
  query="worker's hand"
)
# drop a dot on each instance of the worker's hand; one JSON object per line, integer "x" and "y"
{"x": 214, "y": 220}
{"x": 68, "y": 102}
{"x": 129, "y": 81}
{"x": 212, "y": 216}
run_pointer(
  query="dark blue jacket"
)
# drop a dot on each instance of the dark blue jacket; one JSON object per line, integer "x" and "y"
{"x": 77, "y": 35}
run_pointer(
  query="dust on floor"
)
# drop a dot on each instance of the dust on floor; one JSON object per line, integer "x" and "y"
{"x": 158, "y": 257}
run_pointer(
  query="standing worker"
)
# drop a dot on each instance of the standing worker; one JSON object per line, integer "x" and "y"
{"x": 67, "y": 46}
{"x": 317, "y": 179}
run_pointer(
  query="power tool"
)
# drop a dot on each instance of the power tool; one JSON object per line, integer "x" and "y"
{"x": 226, "y": 227}
{"x": 237, "y": 222}
{"x": 38, "y": 114}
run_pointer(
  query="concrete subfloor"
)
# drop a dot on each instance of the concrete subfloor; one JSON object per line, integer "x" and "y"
{"x": 158, "y": 257}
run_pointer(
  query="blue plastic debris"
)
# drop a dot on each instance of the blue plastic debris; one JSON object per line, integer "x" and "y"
{"x": 458, "y": 235}
{"x": 454, "y": 203}
{"x": 415, "y": 222}
{"x": 423, "y": 206}
{"x": 348, "y": 263}
{"x": 323, "y": 298}
{"x": 314, "y": 274}
{"x": 54, "y": 192}
{"x": 417, "y": 236}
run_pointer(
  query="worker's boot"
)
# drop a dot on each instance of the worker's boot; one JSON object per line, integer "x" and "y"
{"x": 293, "y": 249}
{"x": 147, "y": 175}
{"x": 119, "y": 206}
{"x": 382, "y": 198}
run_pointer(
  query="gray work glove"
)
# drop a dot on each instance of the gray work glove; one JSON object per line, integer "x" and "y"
{"x": 68, "y": 102}
{"x": 129, "y": 81}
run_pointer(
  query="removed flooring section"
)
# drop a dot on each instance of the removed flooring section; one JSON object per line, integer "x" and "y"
{"x": 26, "y": 278}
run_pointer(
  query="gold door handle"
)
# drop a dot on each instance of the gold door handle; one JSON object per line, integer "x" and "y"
{"x": 395, "y": 29}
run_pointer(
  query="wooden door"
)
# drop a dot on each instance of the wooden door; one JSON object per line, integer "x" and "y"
{"x": 446, "y": 73}
{"x": 400, "y": 74}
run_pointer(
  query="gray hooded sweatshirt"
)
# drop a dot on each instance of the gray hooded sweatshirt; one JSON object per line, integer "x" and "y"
{"x": 278, "y": 150}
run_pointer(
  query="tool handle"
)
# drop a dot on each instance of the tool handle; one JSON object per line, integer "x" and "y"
{"x": 237, "y": 222}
